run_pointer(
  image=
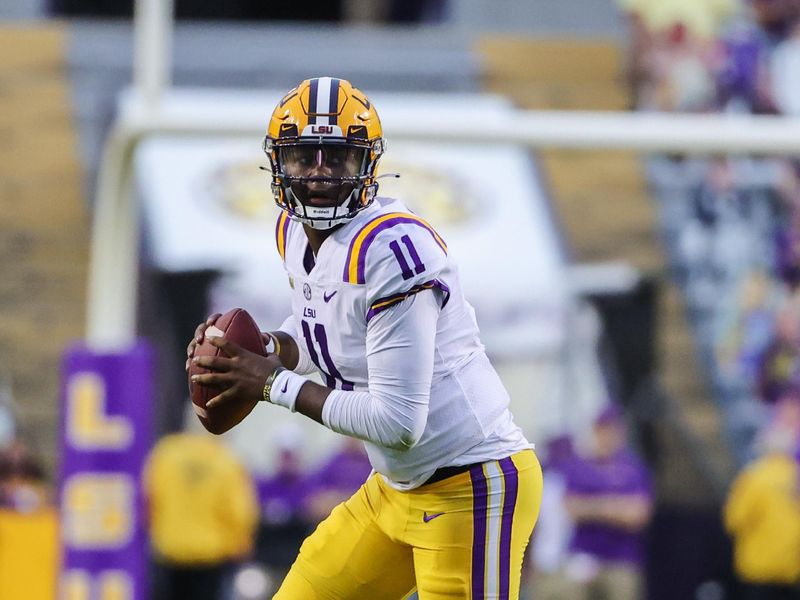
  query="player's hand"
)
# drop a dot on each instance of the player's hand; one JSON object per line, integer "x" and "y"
{"x": 240, "y": 374}
{"x": 266, "y": 338}
{"x": 199, "y": 334}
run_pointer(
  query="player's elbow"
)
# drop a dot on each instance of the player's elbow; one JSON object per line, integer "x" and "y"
{"x": 402, "y": 442}
{"x": 405, "y": 441}
{"x": 408, "y": 432}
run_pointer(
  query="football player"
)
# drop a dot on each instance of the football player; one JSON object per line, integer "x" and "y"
{"x": 378, "y": 312}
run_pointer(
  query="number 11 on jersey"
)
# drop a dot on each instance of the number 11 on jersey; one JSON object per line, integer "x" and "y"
{"x": 419, "y": 266}
{"x": 330, "y": 371}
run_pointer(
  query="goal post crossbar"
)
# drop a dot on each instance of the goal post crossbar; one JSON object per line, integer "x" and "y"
{"x": 111, "y": 302}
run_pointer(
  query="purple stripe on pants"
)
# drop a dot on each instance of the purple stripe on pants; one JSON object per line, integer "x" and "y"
{"x": 509, "y": 503}
{"x": 479, "y": 499}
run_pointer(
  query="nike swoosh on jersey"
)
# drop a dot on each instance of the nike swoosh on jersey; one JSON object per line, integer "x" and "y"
{"x": 426, "y": 517}
{"x": 327, "y": 298}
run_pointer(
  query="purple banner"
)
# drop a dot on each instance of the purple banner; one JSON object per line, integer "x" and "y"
{"x": 106, "y": 432}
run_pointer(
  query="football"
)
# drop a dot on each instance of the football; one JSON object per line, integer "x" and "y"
{"x": 236, "y": 326}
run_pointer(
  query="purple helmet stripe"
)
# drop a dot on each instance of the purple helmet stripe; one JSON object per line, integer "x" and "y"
{"x": 312, "y": 101}
{"x": 509, "y": 503}
{"x": 373, "y": 231}
{"x": 479, "y": 500}
{"x": 333, "y": 103}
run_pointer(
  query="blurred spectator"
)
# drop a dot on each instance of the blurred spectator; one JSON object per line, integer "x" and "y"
{"x": 282, "y": 497}
{"x": 787, "y": 235}
{"x": 29, "y": 546}
{"x": 745, "y": 326}
{"x": 775, "y": 18}
{"x": 609, "y": 498}
{"x": 701, "y": 19}
{"x": 758, "y": 73}
{"x": 762, "y": 513}
{"x": 338, "y": 478}
{"x": 554, "y": 529}
{"x": 672, "y": 50}
{"x": 742, "y": 75}
{"x": 785, "y": 70}
{"x": 779, "y": 365}
{"x": 202, "y": 515}
{"x": 23, "y": 486}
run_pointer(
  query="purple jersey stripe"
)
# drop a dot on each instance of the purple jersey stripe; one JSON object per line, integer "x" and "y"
{"x": 389, "y": 301}
{"x": 509, "y": 503}
{"x": 367, "y": 234}
{"x": 479, "y": 500}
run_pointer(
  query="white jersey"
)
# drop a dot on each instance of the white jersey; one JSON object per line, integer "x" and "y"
{"x": 363, "y": 272}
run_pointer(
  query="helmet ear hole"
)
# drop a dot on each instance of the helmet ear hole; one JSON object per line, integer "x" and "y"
{"x": 277, "y": 194}
{"x": 370, "y": 192}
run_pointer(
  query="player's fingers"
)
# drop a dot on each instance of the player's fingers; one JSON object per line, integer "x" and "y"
{"x": 228, "y": 347}
{"x": 211, "y": 379}
{"x": 200, "y": 330}
{"x": 220, "y": 364}
{"x": 220, "y": 399}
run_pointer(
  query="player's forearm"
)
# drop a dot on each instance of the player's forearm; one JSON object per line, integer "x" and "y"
{"x": 289, "y": 353}
{"x": 311, "y": 399}
{"x": 394, "y": 411}
{"x": 388, "y": 421}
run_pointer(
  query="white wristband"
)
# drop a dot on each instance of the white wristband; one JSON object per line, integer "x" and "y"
{"x": 285, "y": 389}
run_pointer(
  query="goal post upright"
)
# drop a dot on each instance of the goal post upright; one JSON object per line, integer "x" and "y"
{"x": 108, "y": 381}
{"x": 110, "y": 311}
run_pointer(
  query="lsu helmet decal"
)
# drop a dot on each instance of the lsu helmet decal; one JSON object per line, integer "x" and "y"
{"x": 324, "y": 142}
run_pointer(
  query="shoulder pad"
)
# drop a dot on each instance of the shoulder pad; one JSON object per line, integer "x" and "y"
{"x": 406, "y": 238}
{"x": 395, "y": 255}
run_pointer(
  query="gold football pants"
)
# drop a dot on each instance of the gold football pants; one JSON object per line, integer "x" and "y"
{"x": 461, "y": 537}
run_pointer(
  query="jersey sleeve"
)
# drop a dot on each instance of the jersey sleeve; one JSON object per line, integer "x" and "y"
{"x": 396, "y": 256}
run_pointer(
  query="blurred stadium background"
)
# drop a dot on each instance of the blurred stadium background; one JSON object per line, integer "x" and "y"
{"x": 664, "y": 281}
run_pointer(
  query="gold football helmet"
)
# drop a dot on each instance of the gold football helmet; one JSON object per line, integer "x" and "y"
{"x": 324, "y": 142}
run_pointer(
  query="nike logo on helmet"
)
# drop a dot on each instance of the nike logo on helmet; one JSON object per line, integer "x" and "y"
{"x": 430, "y": 517}
{"x": 327, "y": 297}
